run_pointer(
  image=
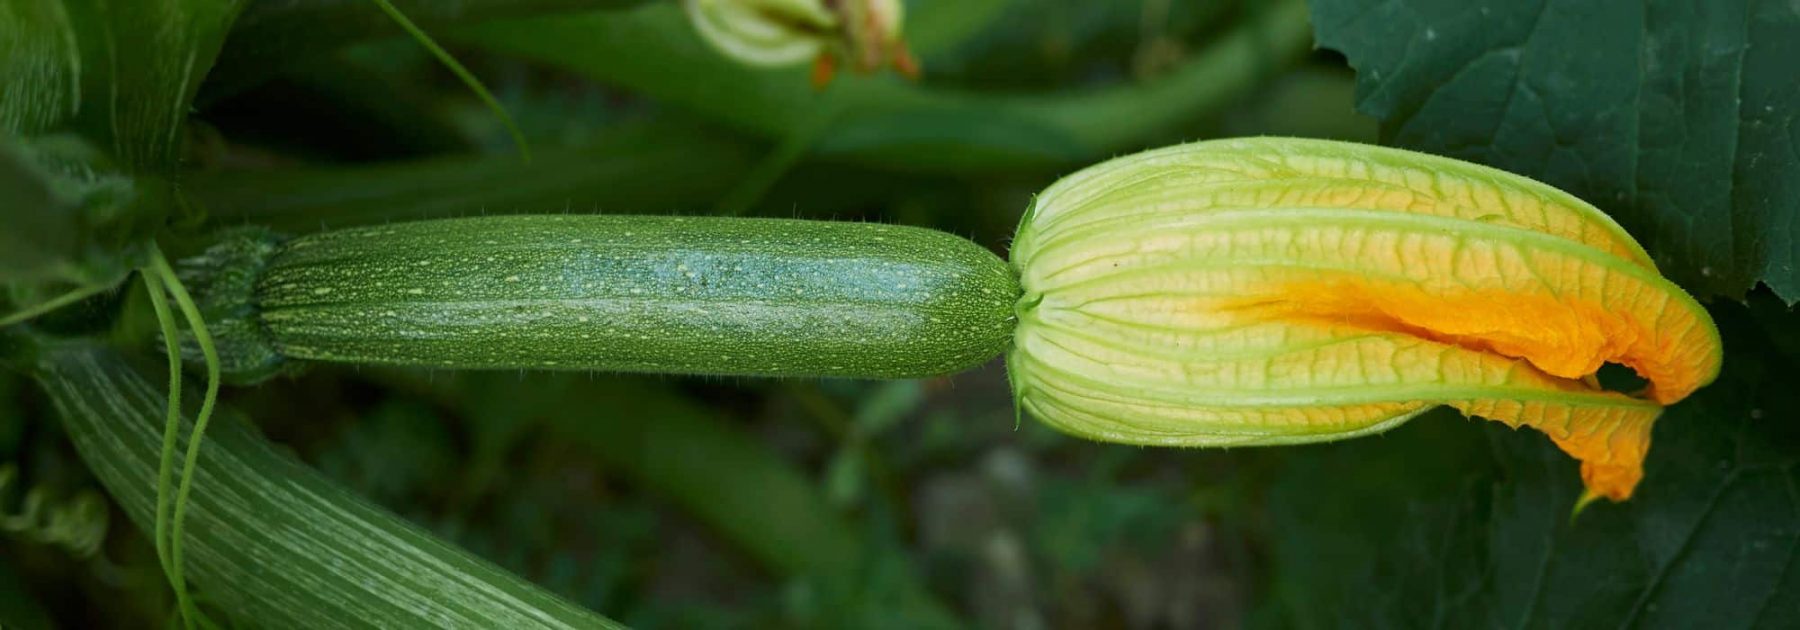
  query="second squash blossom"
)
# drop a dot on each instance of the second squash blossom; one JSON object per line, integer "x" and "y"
{"x": 1280, "y": 291}
{"x": 865, "y": 34}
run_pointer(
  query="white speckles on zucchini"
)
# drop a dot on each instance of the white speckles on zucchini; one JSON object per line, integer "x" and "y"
{"x": 641, "y": 294}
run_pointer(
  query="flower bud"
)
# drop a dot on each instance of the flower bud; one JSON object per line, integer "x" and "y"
{"x": 1281, "y": 291}
{"x": 774, "y": 33}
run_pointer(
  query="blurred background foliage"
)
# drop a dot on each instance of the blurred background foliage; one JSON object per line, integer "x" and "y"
{"x": 704, "y": 502}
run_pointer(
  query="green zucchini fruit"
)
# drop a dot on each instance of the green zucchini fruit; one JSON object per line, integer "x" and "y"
{"x": 693, "y": 295}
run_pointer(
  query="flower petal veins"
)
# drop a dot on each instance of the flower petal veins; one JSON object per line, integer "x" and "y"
{"x": 1278, "y": 291}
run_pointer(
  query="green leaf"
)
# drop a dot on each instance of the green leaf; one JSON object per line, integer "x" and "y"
{"x": 1459, "y": 523}
{"x": 119, "y": 70}
{"x": 40, "y": 65}
{"x": 891, "y": 123}
{"x": 271, "y": 541}
{"x": 1681, "y": 119}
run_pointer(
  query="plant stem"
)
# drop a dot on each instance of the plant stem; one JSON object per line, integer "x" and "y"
{"x": 907, "y": 126}
{"x": 462, "y": 74}
{"x": 41, "y": 308}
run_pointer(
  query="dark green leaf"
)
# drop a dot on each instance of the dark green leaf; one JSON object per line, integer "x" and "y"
{"x": 273, "y": 543}
{"x": 1680, "y": 118}
{"x": 123, "y": 71}
{"x": 1462, "y": 523}
{"x": 40, "y": 66}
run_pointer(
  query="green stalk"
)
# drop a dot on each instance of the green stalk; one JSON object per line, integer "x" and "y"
{"x": 41, "y": 308}
{"x": 274, "y": 542}
{"x": 901, "y": 125}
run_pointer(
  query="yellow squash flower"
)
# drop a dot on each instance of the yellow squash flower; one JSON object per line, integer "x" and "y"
{"x": 1282, "y": 291}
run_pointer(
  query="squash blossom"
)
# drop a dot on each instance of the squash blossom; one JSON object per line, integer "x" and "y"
{"x": 1283, "y": 291}
{"x": 866, "y": 34}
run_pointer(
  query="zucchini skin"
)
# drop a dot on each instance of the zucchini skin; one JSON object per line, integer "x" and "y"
{"x": 690, "y": 295}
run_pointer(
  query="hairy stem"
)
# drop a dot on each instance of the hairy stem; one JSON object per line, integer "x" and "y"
{"x": 161, "y": 281}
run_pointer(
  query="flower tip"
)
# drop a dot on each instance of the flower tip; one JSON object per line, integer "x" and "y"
{"x": 1587, "y": 498}
{"x": 1613, "y": 481}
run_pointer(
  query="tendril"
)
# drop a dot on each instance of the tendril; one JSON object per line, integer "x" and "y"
{"x": 468, "y": 78}
{"x": 159, "y": 301}
{"x": 170, "y": 282}
{"x": 77, "y": 524}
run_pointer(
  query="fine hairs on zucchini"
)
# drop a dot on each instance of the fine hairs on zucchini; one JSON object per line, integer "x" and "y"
{"x": 693, "y": 295}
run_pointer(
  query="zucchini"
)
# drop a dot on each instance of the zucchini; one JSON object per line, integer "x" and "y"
{"x": 692, "y": 295}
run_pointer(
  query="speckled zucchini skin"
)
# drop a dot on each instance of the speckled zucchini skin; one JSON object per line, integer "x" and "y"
{"x": 694, "y": 295}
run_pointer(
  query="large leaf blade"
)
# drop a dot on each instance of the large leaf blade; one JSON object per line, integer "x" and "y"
{"x": 270, "y": 539}
{"x": 120, "y": 70}
{"x": 1681, "y": 119}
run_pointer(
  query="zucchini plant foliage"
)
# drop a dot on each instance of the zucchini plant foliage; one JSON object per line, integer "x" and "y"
{"x": 1463, "y": 525}
{"x": 1677, "y": 117}
{"x": 322, "y": 557}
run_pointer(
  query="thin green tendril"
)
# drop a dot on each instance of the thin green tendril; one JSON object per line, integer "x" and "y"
{"x": 76, "y": 523}
{"x": 462, "y": 73}
{"x": 196, "y": 323}
{"x": 153, "y": 285}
